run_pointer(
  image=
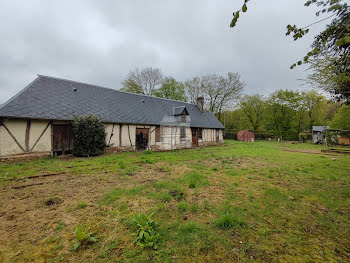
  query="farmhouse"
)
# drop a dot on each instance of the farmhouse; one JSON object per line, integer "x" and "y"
{"x": 38, "y": 119}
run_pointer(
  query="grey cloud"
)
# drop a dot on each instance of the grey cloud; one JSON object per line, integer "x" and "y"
{"x": 100, "y": 41}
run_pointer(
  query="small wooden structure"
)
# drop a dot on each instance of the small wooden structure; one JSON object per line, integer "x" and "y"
{"x": 318, "y": 134}
{"x": 245, "y": 136}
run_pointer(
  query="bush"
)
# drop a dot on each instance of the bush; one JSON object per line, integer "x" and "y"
{"x": 302, "y": 137}
{"x": 89, "y": 136}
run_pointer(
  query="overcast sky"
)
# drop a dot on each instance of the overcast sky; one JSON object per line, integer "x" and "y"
{"x": 100, "y": 41}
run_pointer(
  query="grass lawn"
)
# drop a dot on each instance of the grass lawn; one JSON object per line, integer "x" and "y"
{"x": 239, "y": 202}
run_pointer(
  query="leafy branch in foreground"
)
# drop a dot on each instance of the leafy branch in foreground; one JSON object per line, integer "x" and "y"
{"x": 331, "y": 46}
{"x": 236, "y": 14}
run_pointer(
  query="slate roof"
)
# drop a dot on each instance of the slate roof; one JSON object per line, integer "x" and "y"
{"x": 59, "y": 99}
{"x": 178, "y": 110}
{"x": 319, "y": 128}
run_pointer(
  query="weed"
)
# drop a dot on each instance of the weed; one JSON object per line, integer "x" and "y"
{"x": 146, "y": 231}
{"x": 110, "y": 246}
{"x": 229, "y": 217}
{"x": 82, "y": 204}
{"x": 162, "y": 208}
{"x": 147, "y": 152}
{"x": 192, "y": 185}
{"x": 182, "y": 206}
{"x": 60, "y": 226}
{"x": 190, "y": 227}
{"x": 194, "y": 208}
{"x": 194, "y": 179}
{"x": 129, "y": 171}
{"x": 122, "y": 165}
{"x": 164, "y": 197}
{"x": 214, "y": 169}
{"x": 83, "y": 236}
{"x": 123, "y": 206}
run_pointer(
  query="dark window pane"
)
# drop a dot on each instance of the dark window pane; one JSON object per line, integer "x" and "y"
{"x": 183, "y": 132}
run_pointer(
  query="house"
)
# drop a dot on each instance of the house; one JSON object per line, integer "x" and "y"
{"x": 318, "y": 134}
{"x": 38, "y": 119}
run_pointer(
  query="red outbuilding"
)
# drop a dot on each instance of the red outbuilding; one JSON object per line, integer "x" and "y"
{"x": 245, "y": 136}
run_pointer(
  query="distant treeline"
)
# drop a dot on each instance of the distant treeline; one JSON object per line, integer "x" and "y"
{"x": 285, "y": 114}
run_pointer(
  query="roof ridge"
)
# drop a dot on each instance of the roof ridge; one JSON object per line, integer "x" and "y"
{"x": 103, "y": 87}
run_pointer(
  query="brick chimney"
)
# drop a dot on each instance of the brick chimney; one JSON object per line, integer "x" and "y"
{"x": 200, "y": 103}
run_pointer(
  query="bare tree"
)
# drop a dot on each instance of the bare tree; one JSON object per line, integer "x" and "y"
{"x": 212, "y": 90}
{"x": 231, "y": 88}
{"x": 220, "y": 92}
{"x": 143, "y": 81}
{"x": 193, "y": 89}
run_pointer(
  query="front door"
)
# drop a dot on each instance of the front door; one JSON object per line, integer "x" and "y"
{"x": 62, "y": 139}
{"x": 194, "y": 137}
{"x": 142, "y": 136}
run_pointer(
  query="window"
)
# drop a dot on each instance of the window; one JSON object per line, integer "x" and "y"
{"x": 182, "y": 132}
{"x": 183, "y": 118}
{"x": 200, "y": 136}
{"x": 157, "y": 134}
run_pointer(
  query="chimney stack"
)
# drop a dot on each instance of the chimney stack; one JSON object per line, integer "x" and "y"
{"x": 200, "y": 103}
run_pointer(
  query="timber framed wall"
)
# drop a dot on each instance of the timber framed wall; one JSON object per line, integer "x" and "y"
{"x": 20, "y": 136}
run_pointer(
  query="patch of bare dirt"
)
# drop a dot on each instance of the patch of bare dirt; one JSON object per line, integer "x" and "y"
{"x": 29, "y": 210}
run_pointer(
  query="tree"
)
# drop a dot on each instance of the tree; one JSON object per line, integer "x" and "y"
{"x": 171, "y": 89}
{"x": 327, "y": 76}
{"x": 283, "y": 107}
{"x": 313, "y": 103}
{"x": 253, "y": 107}
{"x": 330, "y": 51}
{"x": 341, "y": 119}
{"x": 219, "y": 92}
{"x": 193, "y": 89}
{"x": 130, "y": 85}
{"x": 231, "y": 89}
{"x": 143, "y": 82}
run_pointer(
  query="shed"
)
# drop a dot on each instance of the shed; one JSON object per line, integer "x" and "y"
{"x": 245, "y": 136}
{"x": 318, "y": 134}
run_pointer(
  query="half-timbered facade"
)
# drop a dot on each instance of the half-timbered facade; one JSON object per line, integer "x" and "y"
{"x": 38, "y": 119}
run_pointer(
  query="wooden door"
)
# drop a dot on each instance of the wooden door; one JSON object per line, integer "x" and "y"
{"x": 62, "y": 139}
{"x": 194, "y": 137}
{"x": 142, "y": 138}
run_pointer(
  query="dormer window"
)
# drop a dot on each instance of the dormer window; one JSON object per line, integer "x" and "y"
{"x": 177, "y": 111}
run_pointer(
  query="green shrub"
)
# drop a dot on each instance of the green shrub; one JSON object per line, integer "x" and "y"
{"x": 89, "y": 136}
{"x": 83, "y": 236}
{"x": 146, "y": 231}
